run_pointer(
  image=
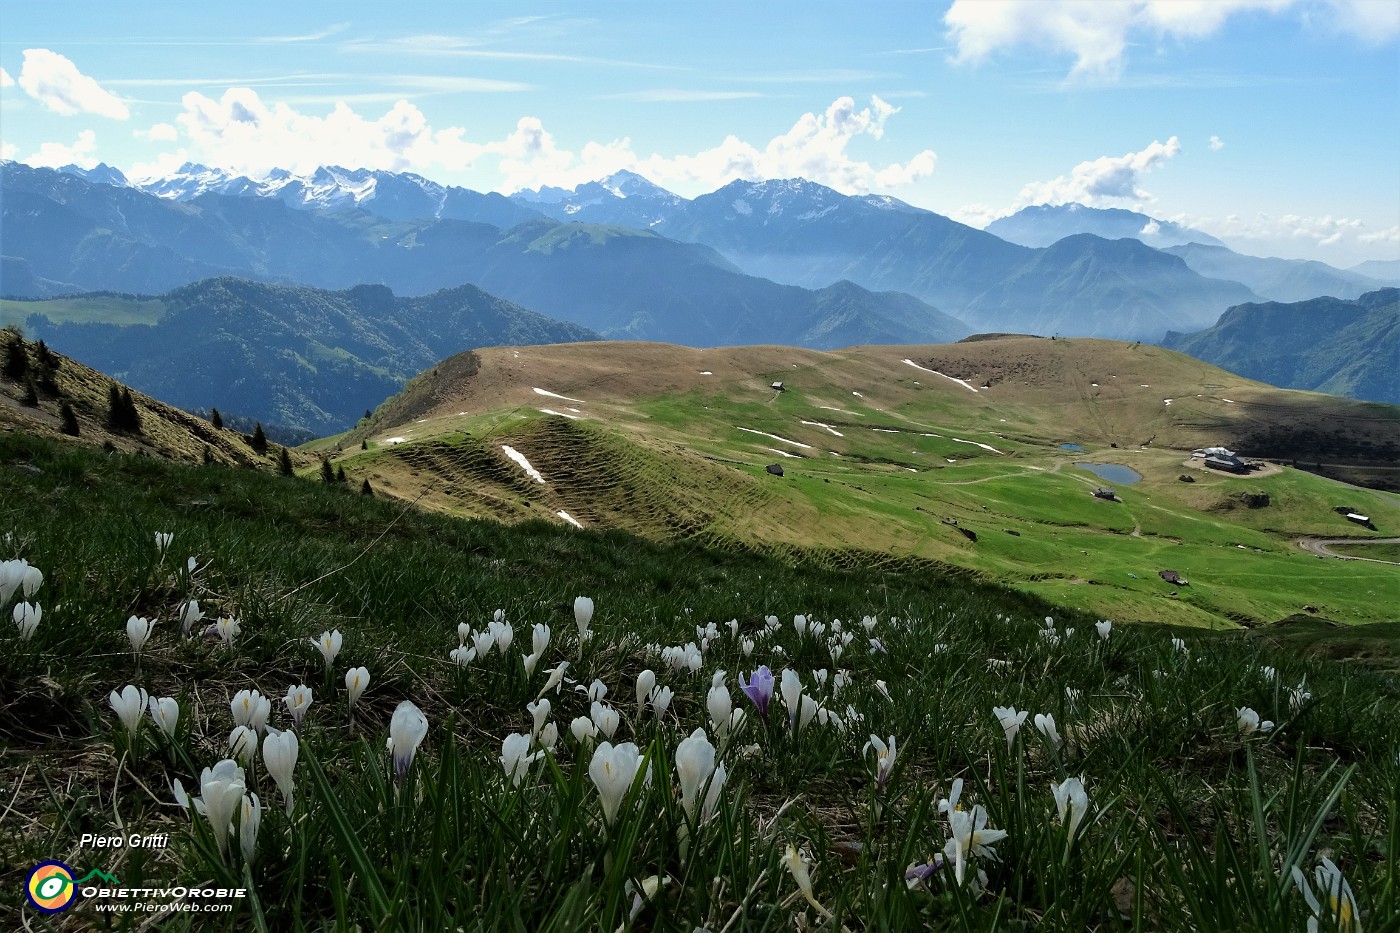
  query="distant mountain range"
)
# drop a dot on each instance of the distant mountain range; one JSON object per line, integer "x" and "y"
{"x": 1331, "y": 345}
{"x": 674, "y": 280}
{"x": 297, "y": 357}
{"x": 1044, "y": 224}
{"x": 65, "y": 235}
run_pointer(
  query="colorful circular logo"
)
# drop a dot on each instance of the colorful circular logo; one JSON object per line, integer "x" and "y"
{"x": 50, "y": 887}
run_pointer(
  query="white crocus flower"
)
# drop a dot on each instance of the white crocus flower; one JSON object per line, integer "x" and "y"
{"x": 549, "y": 736}
{"x": 356, "y": 680}
{"x": 1341, "y": 913}
{"x": 613, "y": 769}
{"x": 228, "y": 629}
{"x": 556, "y": 677}
{"x": 799, "y": 624}
{"x": 1072, "y": 803}
{"x": 720, "y": 704}
{"x": 970, "y": 836}
{"x": 660, "y": 700}
{"x": 221, "y": 789}
{"x": 243, "y": 745}
{"x": 163, "y": 539}
{"x": 27, "y": 617}
{"x": 646, "y": 682}
{"x": 138, "y": 630}
{"x": 329, "y": 645}
{"x": 596, "y": 690}
{"x": 298, "y": 701}
{"x": 1045, "y": 722}
{"x": 1179, "y": 645}
{"x": 791, "y": 687}
{"x": 250, "y": 708}
{"x": 884, "y": 759}
{"x": 165, "y": 712}
{"x": 539, "y": 711}
{"x": 516, "y": 757}
{"x": 462, "y": 655}
{"x": 746, "y": 647}
{"x": 605, "y": 718}
{"x": 1010, "y": 722}
{"x": 1104, "y": 628}
{"x": 407, "y": 729}
{"x": 483, "y": 642}
{"x": 280, "y": 750}
{"x": 190, "y": 613}
{"x": 583, "y": 615}
{"x": 695, "y": 762}
{"x": 129, "y": 705}
{"x": 1250, "y": 723}
{"x": 249, "y": 820}
{"x": 539, "y": 636}
{"x": 504, "y": 634}
{"x": 529, "y": 662}
{"x": 583, "y": 729}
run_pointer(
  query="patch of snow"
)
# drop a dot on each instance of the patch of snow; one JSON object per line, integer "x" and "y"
{"x": 911, "y": 469}
{"x": 1228, "y": 400}
{"x": 857, "y": 394}
{"x": 1094, "y": 384}
{"x": 783, "y": 453}
{"x": 818, "y": 424}
{"x": 885, "y": 430}
{"x": 741, "y": 206}
{"x": 395, "y": 440}
{"x": 568, "y": 518}
{"x": 519, "y": 458}
{"x": 539, "y": 391}
{"x": 950, "y": 459}
{"x": 551, "y": 411}
{"x": 962, "y": 382}
{"x": 706, "y": 372}
{"x": 834, "y": 454}
{"x": 1145, "y": 385}
{"x": 777, "y": 438}
{"x": 976, "y": 444}
{"x": 1166, "y": 401}
{"x": 576, "y": 411}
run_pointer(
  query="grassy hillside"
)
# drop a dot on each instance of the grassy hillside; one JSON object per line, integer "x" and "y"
{"x": 887, "y": 459}
{"x": 1189, "y": 823}
{"x": 166, "y": 432}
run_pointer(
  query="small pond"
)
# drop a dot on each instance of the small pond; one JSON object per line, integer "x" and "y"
{"x": 1072, "y": 447}
{"x": 1112, "y": 472}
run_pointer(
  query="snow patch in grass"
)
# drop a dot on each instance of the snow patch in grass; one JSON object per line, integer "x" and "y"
{"x": 551, "y": 411}
{"x": 519, "y": 458}
{"x": 818, "y": 424}
{"x": 783, "y": 453}
{"x": 962, "y": 382}
{"x": 976, "y": 444}
{"x": 706, "y": 372}
{"x": 539, "y": 391}
{"x": 568, "y": 518}
{"x": 775, "y": 437}
{"x": 395, "y": 440}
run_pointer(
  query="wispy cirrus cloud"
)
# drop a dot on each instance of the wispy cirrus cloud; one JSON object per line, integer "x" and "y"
{"x": 676, "y": 95}
{"x": 326, "y": 33}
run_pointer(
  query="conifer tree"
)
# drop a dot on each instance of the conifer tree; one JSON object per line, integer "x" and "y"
{"x": 365, "y": 489}
{"x": 114, "y": 407}
{"x": 31, "y": 395}
{"x": 327, "y": 473}
{"x": 216, "y": 419}
{"x": 284, "y": 464}
{"x": 208, "y": 454}
{"x": 364, "y": 444}
{"x": 130, "y": 417}
{"x": 16, "y": 358}
{"x": 70, "y": 420}
{"x": 259, "y": 440}
{"x": 340, "y": 474}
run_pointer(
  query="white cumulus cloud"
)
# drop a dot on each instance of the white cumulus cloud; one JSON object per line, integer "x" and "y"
{"x": 243, "y": 133}
{"x": 1105, "y": 181}
{"x": 55, "y": 155}
{"x": 1097, "y": 33}
{"x": 1388, "y": 235}
{"x": 1216, "y": 144}
{"x": 54, "y": 81}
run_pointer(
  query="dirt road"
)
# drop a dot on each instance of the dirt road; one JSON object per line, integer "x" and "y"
{"x": 1322, "y": 548}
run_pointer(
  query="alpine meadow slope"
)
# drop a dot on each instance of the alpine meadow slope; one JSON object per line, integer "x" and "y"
{"x": 948, "y": 455}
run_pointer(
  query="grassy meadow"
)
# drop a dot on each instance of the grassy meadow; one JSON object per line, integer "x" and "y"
{"x": 514, "y": 816}
{"x": 887, "y": 460}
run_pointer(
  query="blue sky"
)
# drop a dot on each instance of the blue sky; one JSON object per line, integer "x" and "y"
{"x": 1271, "y": 123}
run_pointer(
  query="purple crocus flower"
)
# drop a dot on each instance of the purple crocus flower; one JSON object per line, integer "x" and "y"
{"x": 922, "y": 871}
{"x": 759, "y": 688}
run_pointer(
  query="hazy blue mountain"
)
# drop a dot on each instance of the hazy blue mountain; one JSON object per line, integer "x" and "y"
{"x": 619, "y": 281}
{"x": 623, "y": 198}
{"x": 1044, "y": 224}
{"x": 1383, "y": 270}
{"x": 1275, "y": 279}
{"x": 1087, "y": 286}
{"x": 299, "y": 357}
{"x": 1327, "y": 344}
{"x": 99, "y": 174}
